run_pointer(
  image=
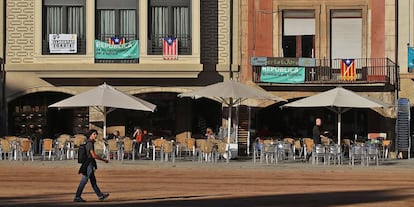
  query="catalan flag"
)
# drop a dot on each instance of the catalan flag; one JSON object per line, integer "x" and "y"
{"x": 348, "y": 71}
{"x": 116, "y": 40}
{"x": 170, "y": 48}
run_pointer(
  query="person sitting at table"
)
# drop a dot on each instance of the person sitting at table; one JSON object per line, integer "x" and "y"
{"x": 209, "y": 133}
{"x": 114, "y": 135}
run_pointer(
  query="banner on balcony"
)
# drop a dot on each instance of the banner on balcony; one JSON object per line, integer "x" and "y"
{"x": 128, "y": 50}
{"x": 348, "y": 71}
{"x": 282, "y": 74}
{"x": 411, "y": 57}
{"x": 63, "y": 43}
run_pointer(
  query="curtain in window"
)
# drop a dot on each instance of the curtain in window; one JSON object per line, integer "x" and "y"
{"x": 107, "y": 24}
{"x": 181, "y": 25}
{"x": 76, "y": 21}
{"x": 127, "y": 25}
{"x": 54, "y": 21}
{"x": 159, "y": 25}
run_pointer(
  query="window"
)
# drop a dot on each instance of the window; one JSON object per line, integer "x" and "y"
{"x": 298, "y": 33}
{"x": 116, "y": 19}
{"x": 169, "y": 18}
{"x": 64, "y": 17}
{"x": 346, "y": 34}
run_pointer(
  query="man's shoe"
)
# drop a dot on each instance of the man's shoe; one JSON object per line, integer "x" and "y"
{"x": 78, "y": 199}
{"x": 103, "y": 196}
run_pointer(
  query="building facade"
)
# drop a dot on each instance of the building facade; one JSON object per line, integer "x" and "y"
{"x": 54, "y": 49}
{"x": 328, "y": 43}
{"x": 320, "y": 45}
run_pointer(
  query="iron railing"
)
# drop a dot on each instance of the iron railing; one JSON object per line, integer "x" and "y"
{"x": 155, "y": 44}
{"x": 368, "y": 70}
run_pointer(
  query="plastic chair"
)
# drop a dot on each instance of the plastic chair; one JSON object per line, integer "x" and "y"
{"x": 372, "y": 152}
{"x": 334, "y": 154}
{"x": 357, "y": 153}
{"x": 319, "y": 151}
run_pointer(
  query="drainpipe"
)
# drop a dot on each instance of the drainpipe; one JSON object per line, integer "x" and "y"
{"x": 3, "y": 117}
{"x": 231, "y": 40}
{"x": 397, "y": 71}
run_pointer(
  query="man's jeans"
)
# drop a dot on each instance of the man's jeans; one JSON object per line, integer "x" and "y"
{"x": 91, "y": 176}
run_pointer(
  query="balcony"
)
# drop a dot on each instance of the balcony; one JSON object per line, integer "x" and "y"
{"x": 369, "y": 71}
{"x": 155, "y": 44}
{"x": 106, "y": 37}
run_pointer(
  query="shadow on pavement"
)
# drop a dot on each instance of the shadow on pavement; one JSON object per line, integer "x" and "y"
{"x": 323, "y": 199}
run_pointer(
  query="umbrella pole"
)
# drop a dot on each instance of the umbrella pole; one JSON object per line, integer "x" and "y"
{"x": 104, "y": 123}
{"x": 339, "y": 127}
{"x": 229, "y": 130}
{"x": 248, "y": 132}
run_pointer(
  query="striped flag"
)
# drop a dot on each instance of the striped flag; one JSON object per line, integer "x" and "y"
{"x": 116, "y": 41}
{"x": 170, "y": 48}
{"x": 348, "y": 71}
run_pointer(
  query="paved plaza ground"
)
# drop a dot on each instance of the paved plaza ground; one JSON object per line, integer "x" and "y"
{"x": 239, "y": 183}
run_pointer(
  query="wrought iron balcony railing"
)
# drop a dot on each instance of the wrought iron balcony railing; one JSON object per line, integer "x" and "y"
{"x": 368, "y": 70}
{"x": 106, "y": 37}
{"x": 155, "y": 44}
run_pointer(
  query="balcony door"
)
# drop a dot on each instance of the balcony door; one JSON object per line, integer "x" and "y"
{"x": 346, "y": 34}
{"x": 298, "y": 33}
{"x": 169, "y": 18}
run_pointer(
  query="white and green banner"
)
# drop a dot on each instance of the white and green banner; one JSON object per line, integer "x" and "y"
{"x": 282, "y": 74}
{"x": 129, "y": 50}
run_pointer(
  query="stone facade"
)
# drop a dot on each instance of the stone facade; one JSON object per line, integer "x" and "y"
{"x": 20, "y": 31}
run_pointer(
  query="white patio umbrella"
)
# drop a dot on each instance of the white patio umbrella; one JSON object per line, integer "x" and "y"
{"x": 339, "y": 100}
{"x": 105, "y": 99}
{"x": 230, "y": 93}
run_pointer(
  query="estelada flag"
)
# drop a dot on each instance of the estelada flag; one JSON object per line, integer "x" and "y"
{"x": 116, "y": 40}
{"x": 348, "y": 71}
{"x": 170, "y": 48}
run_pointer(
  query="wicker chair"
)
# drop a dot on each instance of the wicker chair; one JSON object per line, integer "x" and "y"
{"x": 48, "y": 147}
{"x": 307, "y": 146}
{"x": 6, "y": 149}
{"x": 113, "y": 149}
{"x": 128, "y": 148}
{"x": 167, "y": 149}
{"x": 26, "y": 149}
{"x": 156, "y": 147}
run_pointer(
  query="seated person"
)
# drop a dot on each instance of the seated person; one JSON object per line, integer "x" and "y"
{"x": 209, "y": 133}
{"x": 114, "y": 135}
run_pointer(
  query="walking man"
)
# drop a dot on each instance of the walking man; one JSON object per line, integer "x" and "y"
{"x": 88, "y": 168}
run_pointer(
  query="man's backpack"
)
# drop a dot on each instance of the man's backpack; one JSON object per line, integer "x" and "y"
{"x": 82, "y": 154}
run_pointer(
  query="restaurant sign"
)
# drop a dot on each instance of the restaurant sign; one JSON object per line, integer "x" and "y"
{"x": 271, "y": 74}
{"x": 282, "y": 61}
